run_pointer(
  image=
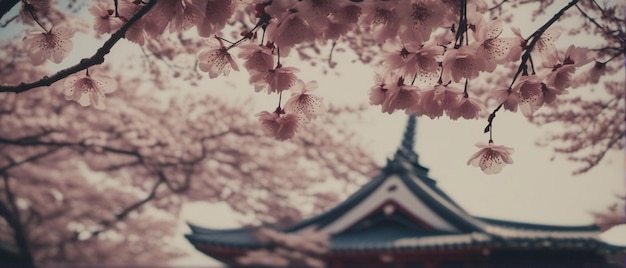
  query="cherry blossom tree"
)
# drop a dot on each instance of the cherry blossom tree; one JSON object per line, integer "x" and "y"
{"x": 91, "y": 186}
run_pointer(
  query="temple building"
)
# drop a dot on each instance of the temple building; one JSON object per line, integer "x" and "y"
{"x": 400, "y": 218}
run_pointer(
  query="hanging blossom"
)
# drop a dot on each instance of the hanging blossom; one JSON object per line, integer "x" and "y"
{"x": 545, "y": 48}
{"x": 437, "y": 100}
{"x": 216, "y": 60}
{"x": 461, "y": 63}
{"x": 89, "y": 89}
{"x": 275, "y": 80}
{"x": 378, "y": 92}
{"x": 491, "y": 158}
{"x": 467, "y": 107}
{"x": 509, "y": 99}
{"x": 257, "y": 58}
{"x": 401, "y": 97}
{"x": 304, "y": 105}
{"x": 278, "y": 125}
{"x": 529, "y": 88}
{"x": 558, "y": 78}
{"x": 491, "y": 48}
{"x": 54, "y": 44}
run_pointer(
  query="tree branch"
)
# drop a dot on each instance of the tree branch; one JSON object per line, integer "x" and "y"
{"x": 96, "y": 59}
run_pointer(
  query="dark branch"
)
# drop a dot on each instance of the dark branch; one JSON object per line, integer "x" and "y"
{"x": 96, "y": 59}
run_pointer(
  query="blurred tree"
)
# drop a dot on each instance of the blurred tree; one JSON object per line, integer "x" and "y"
{"x": 86, "y": 186}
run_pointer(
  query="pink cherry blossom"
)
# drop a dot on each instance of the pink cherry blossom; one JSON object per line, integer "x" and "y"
{"x": 136, "y": 32}
{"x": 461, "y": 63}
{"x": 104, "y": 16}
{"x": 492, "y": 49}
{"x": 468, "y": 108}
{"x": 216, "y": 13}
{"x": 558, "y": 79}
{"x": 545, "y": 48}
{"x": 304, "y": 105}
{"x": 592, "y": 74}
{"x": 257, "y": 58}
{"x": 216, "y": 60}
{"x": 339, "y": 22}
{"x": 316, "y": 13}
{"x": 179, "y": 14}
{"x": 418, "y": 18}
{"x": 54, "y": 44}
{"x": 436, "y": 100}
{"x": 491, "y": 158}
{"x": 531, "y": 95}
{"x": 378, "y": 93}
{"x": 275, "y": 80}
{"x": 411, "y": 59}
{"x": 382, "y": 17}
{"x": 89, "y": 88}
{"x": 290, "y": 30}
{"x": 279, "y": 126}
{"x": 508, "y": 98}
{"x": 401, "y": 97}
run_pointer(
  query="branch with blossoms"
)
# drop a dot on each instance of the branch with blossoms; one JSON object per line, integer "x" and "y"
{"x": 96, "y": 59}
{"x": 434, "y": 54}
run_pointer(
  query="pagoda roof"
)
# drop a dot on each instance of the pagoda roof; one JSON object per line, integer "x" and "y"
{"x": 403, "y": 209}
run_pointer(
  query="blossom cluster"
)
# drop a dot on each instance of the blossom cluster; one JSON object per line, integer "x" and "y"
{"x": 432, "y": 50}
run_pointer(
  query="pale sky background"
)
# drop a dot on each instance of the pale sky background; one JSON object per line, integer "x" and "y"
{"x": 533, "y": 189}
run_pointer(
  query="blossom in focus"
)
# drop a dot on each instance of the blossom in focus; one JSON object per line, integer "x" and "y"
{"x": 216, "y": 60}
{"x": 491, "y": 158}
{"x": 89, "y": 89}
{"x": 491, "y": 48}
{"x": 279, "y": 126}
{"x": 303, "y": 104}
{"x": 54, "y": 44}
